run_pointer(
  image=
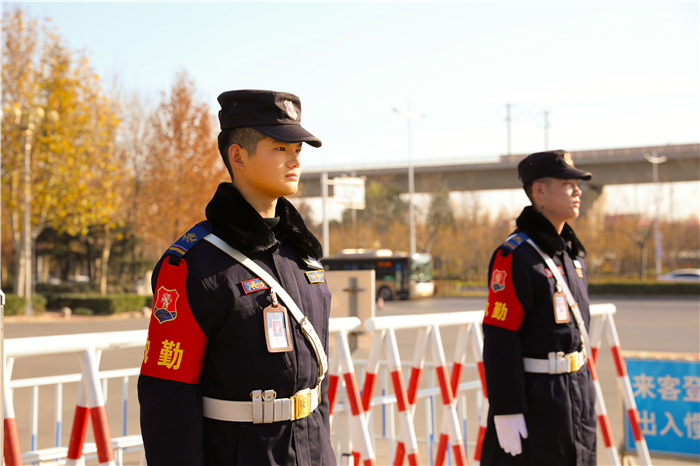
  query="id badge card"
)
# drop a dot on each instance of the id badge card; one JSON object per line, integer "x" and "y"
{"x": 277, "y": 335}
{"x": 561, "y": 308}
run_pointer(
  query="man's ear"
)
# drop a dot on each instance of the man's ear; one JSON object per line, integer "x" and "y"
{"x": 237, "y": 157}
{"x": 538, "y": 190}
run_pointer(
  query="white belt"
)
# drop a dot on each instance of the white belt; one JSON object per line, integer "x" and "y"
{"x": 264, "y": 408}
{"x": 556, "y": 363}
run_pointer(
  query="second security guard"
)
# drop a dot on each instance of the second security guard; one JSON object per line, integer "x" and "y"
{"x": 234, "y": 368}
{"x": 542, "y": 399}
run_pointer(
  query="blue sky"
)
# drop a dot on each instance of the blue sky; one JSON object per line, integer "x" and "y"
{"x": 609, "y": 74}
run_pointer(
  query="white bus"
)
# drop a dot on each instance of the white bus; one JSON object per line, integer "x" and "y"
{"x": 398, "y": 275}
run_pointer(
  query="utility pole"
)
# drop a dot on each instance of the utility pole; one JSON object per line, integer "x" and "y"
{"x": 546, "y": 130}
{"x": 508, "y": 125}
{"x": 324, "y": 197}
{"x": 411, "y": 213}
{"x": 655, "y": 162}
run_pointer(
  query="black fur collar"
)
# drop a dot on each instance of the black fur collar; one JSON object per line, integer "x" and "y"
{"x": 240, "y": 225}
{"x": 542, "y": 232}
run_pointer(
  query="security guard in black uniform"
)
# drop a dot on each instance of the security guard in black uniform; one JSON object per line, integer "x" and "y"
{"x": 229, "y": 376}
{"x": 538, "y": 384}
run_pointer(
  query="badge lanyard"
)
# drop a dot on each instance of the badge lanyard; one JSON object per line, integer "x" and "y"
{"x": 306, "y": 326}
{"x": 569, "y": 297}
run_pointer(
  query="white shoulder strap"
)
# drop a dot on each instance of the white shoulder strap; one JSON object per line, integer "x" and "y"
{"x": 306, "y": 326}
{"x": 569, "y": 297}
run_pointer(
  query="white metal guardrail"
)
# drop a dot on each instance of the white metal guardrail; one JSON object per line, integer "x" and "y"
{"x": 382, "y": 408}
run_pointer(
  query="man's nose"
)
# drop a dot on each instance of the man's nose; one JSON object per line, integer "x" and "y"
{"x": 294, "y": 161}
{"x": 577, "y": 191}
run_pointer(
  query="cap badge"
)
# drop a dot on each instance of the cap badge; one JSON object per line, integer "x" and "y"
{"x": 291, "y": 111}
{"x": 568, "y": 160}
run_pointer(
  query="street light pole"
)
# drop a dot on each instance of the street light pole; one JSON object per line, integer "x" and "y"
{"x": 655, "y": 162}
{"x": 324, "y": 197}
{"x": 411, "y": 188}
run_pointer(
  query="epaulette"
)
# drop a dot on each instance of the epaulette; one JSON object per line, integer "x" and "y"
{"x": 514, "y": 241}
{"x": 189, "y": 239}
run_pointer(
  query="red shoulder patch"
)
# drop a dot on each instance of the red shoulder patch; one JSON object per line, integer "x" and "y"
{"x": 176, "y": 345}
{"x": 503, "y": 308}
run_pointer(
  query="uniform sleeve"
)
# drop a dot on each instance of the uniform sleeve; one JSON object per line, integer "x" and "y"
{"x": 169, "y": 395}
{"x": 171, "y": 422}
{"x": 505, "y": 311}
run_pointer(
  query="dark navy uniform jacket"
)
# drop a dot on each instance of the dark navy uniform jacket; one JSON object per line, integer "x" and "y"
{"x": 223, "y": 353}
{"x": 519, "y": 322}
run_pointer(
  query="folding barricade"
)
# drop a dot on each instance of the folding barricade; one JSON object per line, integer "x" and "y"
{"x": 383, "y": 329}
{"x": 602, "y": 319}
{"x": 341, "y": 360}
{"x": 90, "y": 403}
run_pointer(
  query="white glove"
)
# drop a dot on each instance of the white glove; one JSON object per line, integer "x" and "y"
{"x": 509, "y": 428}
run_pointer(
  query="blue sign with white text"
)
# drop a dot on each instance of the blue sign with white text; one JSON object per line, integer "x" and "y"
{"x": 667, "y": 394}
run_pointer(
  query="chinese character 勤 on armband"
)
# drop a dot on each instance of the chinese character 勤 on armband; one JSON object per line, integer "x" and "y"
{"x": 170, "y": 357}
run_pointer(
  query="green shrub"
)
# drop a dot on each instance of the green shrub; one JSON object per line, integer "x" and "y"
{"x": 643, "y": 288}
{"x": 83, "y": 311}
{"x": 102, "y": 305}
{"x": 15, "y": 305}
{"x": 39, "y": 303}
{"x": 628, "y": 288}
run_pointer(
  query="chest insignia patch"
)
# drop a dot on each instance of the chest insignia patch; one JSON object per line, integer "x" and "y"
{"x": 548, "y": 273}
{"x": 315, "y": 276}
{"x": 256, "y": 284}
{"x": 498, "y": 280}
{"x": 166, "y": 304}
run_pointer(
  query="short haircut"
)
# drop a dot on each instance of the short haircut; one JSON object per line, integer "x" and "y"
{"x": 246, "y": 137}
{"x": 528, "y": 187}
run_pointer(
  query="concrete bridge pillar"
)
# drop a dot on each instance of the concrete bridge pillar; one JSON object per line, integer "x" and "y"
{"x": 592, "y": 200}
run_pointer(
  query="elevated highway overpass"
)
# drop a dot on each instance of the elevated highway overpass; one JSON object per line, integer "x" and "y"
{"x": 609, "y": 166}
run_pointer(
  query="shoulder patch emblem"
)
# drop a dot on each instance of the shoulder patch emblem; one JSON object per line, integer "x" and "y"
{"x": 256, "y": 284}
{"x": 315, "y": 276}
{"x": 166, "y": 304}
{"x": 515, "y": 240}
{"x": 498, "y": 280}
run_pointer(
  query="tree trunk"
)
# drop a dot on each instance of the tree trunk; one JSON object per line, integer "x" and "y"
{"x": 18, "y": 279}
{"x": 643, "y": 262}
{"x": 104, "y": 260}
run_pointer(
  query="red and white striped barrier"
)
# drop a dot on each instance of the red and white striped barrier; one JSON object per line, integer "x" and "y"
{"x": 453, "y": 434}
{"x": 90, "y": 401}
{"x": 341, "y": 361}
{"x": 623, "y": 381}
{"x": 96, "y": 408}
{"x": 12, "y": 452}
{"x": 460, "y": 354}
{"x": 383, "y": 327}
{"x": 603, "y": 420}
{"x": 408, "y": 446}
{"x": 78, "y": 432}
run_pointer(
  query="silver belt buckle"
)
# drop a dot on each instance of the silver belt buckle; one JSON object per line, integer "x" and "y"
{"x": 302, "y": 404}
